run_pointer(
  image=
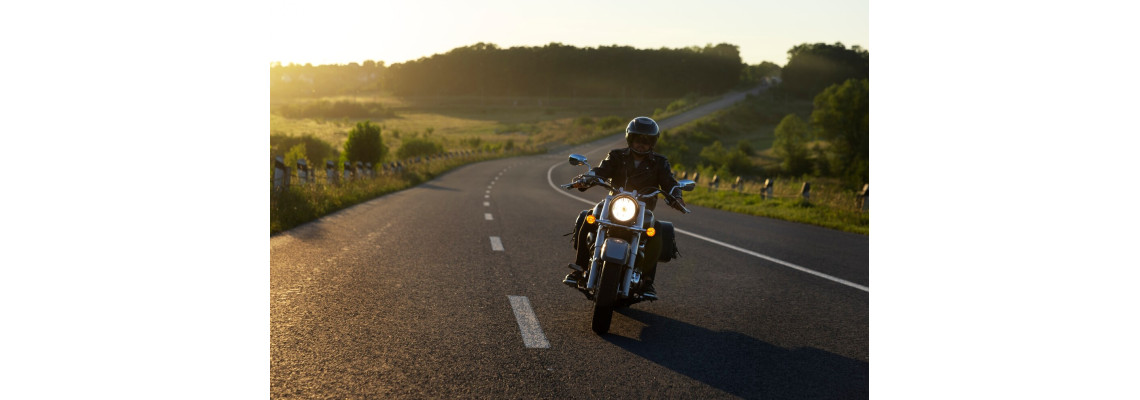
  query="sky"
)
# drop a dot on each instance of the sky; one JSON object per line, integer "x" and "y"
{"x": 341, "y": 32}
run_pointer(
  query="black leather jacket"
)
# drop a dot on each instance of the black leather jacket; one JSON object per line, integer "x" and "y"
{"x": 653, "y": 172}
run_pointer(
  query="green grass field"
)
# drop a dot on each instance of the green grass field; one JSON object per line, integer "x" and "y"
{"x": 456, "y": 122}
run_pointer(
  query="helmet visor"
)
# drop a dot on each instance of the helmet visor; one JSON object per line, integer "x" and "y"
{"x": 643, "y": 139}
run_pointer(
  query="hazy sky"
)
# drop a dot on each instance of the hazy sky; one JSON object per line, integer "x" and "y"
{"x": 341, "y": 32}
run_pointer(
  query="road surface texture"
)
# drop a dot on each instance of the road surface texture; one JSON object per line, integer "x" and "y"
{"x": 453, "y": 289}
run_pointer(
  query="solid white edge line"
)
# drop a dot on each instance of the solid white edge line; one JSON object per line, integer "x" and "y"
{"x": 777, "y": 261}
{"x": 531, "y": 331}
{"x": 550, "y": 180}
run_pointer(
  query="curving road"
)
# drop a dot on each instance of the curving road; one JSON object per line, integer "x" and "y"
{"x": 452, "y": 289}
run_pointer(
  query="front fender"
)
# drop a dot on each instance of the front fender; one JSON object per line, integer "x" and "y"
{"x": 616, "y": 250}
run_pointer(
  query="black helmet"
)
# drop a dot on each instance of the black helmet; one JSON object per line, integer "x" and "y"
{"x": 644, "y": 127}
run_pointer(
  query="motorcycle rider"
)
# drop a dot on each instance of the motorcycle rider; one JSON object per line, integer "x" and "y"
{"x": 635, "y": 167}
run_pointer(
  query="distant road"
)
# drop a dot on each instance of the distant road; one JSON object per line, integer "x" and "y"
{"x": 724, "y": 102}
{"x": 452, "y": 289}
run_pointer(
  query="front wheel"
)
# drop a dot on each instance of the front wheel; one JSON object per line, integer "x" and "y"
{"x": 605, "y": 297}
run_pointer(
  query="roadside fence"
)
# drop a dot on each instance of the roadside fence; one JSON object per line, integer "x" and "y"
{"x": 302, "y": 174}
{"x": 770, "y": 189}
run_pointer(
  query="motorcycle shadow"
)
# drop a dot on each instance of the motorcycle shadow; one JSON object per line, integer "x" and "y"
{"x": 744, "y": 366}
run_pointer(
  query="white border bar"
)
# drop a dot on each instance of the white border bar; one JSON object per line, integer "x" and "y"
{"x": 532, "y": 334}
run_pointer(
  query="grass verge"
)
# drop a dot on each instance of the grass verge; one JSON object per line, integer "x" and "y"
{"x": 835, "y": 210}
{"x": 298, "y": 204}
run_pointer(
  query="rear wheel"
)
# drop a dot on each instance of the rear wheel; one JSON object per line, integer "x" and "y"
{"x": 605, "y": 297}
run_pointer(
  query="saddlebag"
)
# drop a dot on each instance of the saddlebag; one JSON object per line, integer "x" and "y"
{"x": 668, "y": 241}
{"x": 577, "y": 229}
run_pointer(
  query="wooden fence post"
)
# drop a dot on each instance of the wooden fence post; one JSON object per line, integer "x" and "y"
{"x": 806, "y": 191}
{"x": 302, "y": 172}
{"x": 279, "y": 172}
{"x": 715, "y": 184}
{"x": 766, "y": 190}
{"x": 330, "y": 172}
{"x": 865, "y": 198}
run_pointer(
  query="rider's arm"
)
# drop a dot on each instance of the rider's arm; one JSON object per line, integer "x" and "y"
{"x": 607, "y": 167}
{"x": 604, "y": 170}
{"x": 667, "y": 181}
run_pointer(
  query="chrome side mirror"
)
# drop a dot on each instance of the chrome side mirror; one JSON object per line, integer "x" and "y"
{"x": 687, "y": 184}
{"x": 578, "y": 159}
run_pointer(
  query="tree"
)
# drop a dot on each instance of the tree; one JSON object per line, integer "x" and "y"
{"x": 791, "y": 145}
{"x": 813, "y": 67}
{"x": 841, "y": 115}
{"x": 752, "y": 75}
{"x": 733, "y": 161}
{"x": 364, "y": 144}
{"x": 714, "y": 154}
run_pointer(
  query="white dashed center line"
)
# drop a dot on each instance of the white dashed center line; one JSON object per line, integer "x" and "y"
{"x": 532, "y": 334}
{"x": 487, "y": 216}
{"x": 486, "y": 204}
{"x": 496, "y": 243}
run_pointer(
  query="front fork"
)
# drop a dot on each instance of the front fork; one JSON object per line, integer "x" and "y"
{"x": 629, "y": 278}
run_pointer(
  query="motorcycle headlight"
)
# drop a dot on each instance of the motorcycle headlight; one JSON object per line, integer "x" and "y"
{"x": 623, "y": 208}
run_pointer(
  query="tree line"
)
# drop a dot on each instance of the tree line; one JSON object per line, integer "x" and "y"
{"x": 485, "y": 69}
{"x": 812, "y": 67}
{"x": 567, "y": 71}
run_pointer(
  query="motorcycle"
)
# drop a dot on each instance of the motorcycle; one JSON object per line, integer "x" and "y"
{"x": 624, "y": 226}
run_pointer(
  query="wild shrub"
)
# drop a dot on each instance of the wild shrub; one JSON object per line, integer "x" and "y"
{"x": 583, "y": 121}
{"x": 417, "y": 147}
{"x": 316, "y": 150}
{"x": 610, "y": 122}
{"x": 365, "y": 144}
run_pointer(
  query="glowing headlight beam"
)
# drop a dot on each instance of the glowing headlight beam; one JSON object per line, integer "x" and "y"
{"x": 623, "y": 209}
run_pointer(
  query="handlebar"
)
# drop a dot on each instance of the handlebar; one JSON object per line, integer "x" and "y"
{"x": 594, "y": 180}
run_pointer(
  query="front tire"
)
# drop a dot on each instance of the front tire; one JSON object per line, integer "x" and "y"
{"x": 605, "y": 297}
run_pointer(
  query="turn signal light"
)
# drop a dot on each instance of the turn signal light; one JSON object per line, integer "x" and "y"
{"x": 650, "y": 232}
{"x": 590, "y": 219}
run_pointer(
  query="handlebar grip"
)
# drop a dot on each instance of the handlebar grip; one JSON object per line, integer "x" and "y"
{"x": 677, "y": 206}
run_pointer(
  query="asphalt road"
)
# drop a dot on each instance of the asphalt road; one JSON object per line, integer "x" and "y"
{"x": 420, "y": 294}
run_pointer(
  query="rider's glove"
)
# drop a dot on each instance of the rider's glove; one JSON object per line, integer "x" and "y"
{"x": 678, "y": 204}
{"x": 580, "y": 183}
